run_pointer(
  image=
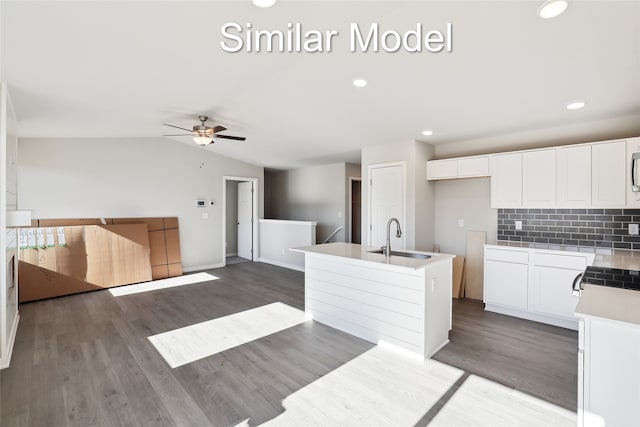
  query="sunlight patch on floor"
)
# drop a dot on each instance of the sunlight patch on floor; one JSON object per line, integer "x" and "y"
{"x": 379, "y": 388}
{"x": 482, "y": 402}
{"x": 187, "y": 279}
{"x": 384, "y": 388}
{"x": 194, "y": 342}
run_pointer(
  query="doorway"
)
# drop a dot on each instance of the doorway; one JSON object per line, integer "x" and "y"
{"x": 387, "y": 199}
{"x": 239, "y": 224}
{"x": 355, "y": 210}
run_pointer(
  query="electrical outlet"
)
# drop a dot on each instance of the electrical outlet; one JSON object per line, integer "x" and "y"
{"x": 461, "y": 223}
{"x": 633, "y": 229}
{"x": 518, "y": 225}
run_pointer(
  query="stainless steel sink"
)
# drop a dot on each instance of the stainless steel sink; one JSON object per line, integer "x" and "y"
{"x": 404, "y": 254}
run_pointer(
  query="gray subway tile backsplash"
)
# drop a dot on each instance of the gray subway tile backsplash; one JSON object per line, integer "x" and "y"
{"x": 603, "y": 228}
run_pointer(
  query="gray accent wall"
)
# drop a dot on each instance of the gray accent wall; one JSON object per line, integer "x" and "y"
{"x": 232, "y": 217}
{"x": 316, "y": 193}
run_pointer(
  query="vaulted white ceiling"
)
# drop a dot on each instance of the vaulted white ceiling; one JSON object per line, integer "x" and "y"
{"x": 121, "y": 69}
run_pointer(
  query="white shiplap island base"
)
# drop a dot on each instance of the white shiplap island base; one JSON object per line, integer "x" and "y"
{"x": 397, "y": 301}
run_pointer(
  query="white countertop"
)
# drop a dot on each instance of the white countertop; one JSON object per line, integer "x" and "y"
{"x": 360, "y": 252}
{"x": 604, "y": 257}
{"x": 606, "y": 302}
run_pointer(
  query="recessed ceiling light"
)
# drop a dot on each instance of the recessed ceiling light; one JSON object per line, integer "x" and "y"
{"x": 264, "y": 3}
{"x": 359, "y": 82}
{"x": 427, "y": 132}
{"x": 552, "y": 8}
{"x": 575, "y": 105}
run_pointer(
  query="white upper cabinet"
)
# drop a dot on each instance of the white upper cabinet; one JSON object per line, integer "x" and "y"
{"x": 609, "y": 174}
{"x": 463, "y": 167}
{"x": 473, "y": 167}
{"x": 633, "y": 197}
{"x": 539, "y": 178}
{"x": 442, "y": 169}
{"x": 574, "y": 176}
{"x": 506, "y": 180}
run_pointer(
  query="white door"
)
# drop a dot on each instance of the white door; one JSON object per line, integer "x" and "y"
{"x": 506, "y": 180}
{"x": 574, "y": 176}
{"x": 539, "y": 178}
{"x": 609, "y": 174}
{"x": 245, "y": 220}
{"x": 387, "y": 201}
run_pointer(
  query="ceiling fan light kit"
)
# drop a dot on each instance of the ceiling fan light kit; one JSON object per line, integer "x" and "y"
{"x": 203, "y": 134}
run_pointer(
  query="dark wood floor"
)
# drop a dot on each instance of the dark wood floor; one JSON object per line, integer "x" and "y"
{"x": 85, "y": 360}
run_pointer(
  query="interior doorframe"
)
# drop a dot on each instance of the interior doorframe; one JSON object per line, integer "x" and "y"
{"x": 351, "y": 179}
{"x": 403, "y": 220}
{"x": 255, "y": 241}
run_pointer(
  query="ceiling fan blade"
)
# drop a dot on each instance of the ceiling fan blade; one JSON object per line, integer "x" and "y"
{"x": 219, "y": 129}
{"x": 177, "y": 127}
{"x": 180, "y": 134}
{"x": 236, "y": 138}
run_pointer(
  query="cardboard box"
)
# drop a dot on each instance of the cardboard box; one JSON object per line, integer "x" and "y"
{"x": 172, "y": 238}
{"x": 85, "y": 258}
{"x": 160, "y": 271}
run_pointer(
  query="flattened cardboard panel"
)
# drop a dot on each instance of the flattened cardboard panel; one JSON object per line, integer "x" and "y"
{"x": 171, "y": 222}
{"x": 157, "y": 244}
{"x": 153, "y": 223}
{"x": 458, "y": 267}
{"x": 173, "y": 246}
{"x": 70, "y": 222}
{"x": 138, "y": 233}
{"x": 38, "y": 283}
{"x": 175, "y": 269}
{"x": 475, "y": 264}
{"x": 159, "y": 272}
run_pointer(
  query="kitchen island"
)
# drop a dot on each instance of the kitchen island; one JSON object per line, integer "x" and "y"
{"x": 396, "y": 301}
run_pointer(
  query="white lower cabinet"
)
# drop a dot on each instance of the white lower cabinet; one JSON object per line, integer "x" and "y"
{"x": 533, "y": 284}
{"x": 608, "y": 373}
{"x": 505, "y": 278}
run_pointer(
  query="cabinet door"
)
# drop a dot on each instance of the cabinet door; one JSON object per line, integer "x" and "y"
{"x": 442, "y": 169}
{"x": 552, "y": 292}
{"x": 574, "y": 176}
{"x": 505, "y": 283}
{"x": 633, "y": 198}
{"x": 609, "y": 174}
{"x": 473, "y": 166}
{"x": 506, "y": 180}
{"x": 612, "y": 373}
{"x": 539, "y": 178}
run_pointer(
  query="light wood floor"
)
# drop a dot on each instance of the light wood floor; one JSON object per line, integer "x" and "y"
{"x": 86, "y": 360}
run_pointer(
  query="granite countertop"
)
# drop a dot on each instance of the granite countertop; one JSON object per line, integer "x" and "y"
{"x": 361, "y": 252}
{"x": 604, "y": 257}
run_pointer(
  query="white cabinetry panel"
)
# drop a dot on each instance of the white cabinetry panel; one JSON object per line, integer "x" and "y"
{"x": 505, "y": 283}
{"x": 574, "y": 176}
{"x": 442, "y": 169}
{"x": 552, "y": 292}
{"x": 539, "y": 178}
{"x": 473, "y": 166}
{"x": 506, "y": 180}
{"x": 609, "y": 174}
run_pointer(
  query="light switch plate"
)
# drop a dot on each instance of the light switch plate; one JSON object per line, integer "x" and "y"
{"x": 518, "y": 225}
{"x": 461, "y": 223}
{"x": 633, "y": 229}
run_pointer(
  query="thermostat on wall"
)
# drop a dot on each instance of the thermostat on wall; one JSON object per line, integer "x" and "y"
{"x": 200, "y": 203}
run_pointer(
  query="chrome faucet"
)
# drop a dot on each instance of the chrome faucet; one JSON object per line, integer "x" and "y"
{"x": 398, "y": 235}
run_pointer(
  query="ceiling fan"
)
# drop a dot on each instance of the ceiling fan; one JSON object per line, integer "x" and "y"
{"x": 203, "y": 134}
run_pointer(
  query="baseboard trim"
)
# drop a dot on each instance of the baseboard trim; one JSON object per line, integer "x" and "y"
{"x": 203, "y": 267}
{"x": 536, "y": 317}
{"x": 4, "y": 363}
{"x": 281, "y": 264}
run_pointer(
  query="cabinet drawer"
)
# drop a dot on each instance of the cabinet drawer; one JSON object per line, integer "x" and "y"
{"x": 507, "y": 255}
{"x": 571, "y": 262}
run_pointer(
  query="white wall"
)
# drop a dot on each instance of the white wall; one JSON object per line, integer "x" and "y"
{"x": 141, "y": 177}
{"x": 277, "y": 237}
{"x": 419, "y": 227}
{"x": 467, "y": 199}
{"x": 232, "y": 218}
{"x": 311, "y": 194}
